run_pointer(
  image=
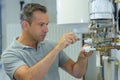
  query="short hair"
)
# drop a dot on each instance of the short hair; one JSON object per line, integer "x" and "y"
{"x": 29, "y": 9}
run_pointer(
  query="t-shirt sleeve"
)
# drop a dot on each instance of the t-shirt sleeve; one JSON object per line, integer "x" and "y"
{"x": 11, "y": 63}
{"x": 62, "y": 58}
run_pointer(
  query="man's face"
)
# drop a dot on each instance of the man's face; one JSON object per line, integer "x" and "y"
{"x": 39, "y": 26}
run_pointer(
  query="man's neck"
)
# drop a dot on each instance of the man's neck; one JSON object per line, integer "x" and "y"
{"x": 28, "y": 42}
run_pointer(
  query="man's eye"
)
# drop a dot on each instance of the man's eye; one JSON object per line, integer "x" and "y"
{"x": 47, "y": 24}
{"x": 42, "y": 24}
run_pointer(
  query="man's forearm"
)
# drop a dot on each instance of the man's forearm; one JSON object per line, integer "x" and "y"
{"x": 80, "y": 67}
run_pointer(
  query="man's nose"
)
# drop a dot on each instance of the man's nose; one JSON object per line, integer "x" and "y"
{"x": 46, "y": 28}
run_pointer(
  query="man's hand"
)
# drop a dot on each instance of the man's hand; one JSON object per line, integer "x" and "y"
{"x": 66, "y": 40}
{"x": 85, "y": 54}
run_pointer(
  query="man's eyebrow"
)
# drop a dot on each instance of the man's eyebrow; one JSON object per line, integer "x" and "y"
{"x": 44, "y": 22}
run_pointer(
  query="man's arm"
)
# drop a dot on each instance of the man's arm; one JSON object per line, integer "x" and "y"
{"x": 78, "y": 68}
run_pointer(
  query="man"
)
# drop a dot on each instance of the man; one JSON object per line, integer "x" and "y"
{"x": 30, "y": 57}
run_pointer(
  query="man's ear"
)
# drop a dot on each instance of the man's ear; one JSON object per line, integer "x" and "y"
{"x": 25, "y": 25}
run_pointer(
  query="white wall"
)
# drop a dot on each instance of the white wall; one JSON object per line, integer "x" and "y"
{"x": 10, "y": 15}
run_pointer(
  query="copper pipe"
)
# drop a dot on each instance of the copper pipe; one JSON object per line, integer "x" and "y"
{"x": 114, "y": 28}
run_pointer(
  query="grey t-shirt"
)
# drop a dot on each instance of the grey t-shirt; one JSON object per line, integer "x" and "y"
{"x": 17, "y": 55}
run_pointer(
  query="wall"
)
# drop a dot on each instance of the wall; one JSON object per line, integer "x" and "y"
{"x": 10, "y": 15}
{"x": 0, "y": 29}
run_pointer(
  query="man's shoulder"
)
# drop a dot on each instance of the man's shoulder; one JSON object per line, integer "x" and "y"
{"x": 11, "y": 49}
